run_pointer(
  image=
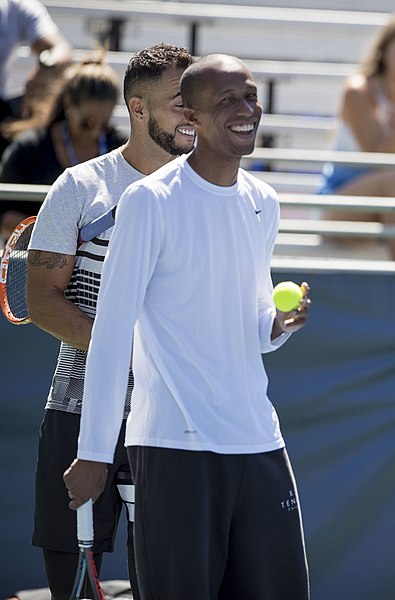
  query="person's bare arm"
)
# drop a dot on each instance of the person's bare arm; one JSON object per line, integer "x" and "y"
{"x": 58, "y": 47}
{"x": 48, "y": 276}
{"x": 359, "y": 114}
{"x": 41, "y": 79}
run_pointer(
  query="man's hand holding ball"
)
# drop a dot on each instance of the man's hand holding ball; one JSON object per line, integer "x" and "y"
{"x": 292, "y": 303}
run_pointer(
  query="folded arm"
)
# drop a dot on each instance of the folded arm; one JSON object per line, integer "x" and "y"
{"x": 48, "y": 276}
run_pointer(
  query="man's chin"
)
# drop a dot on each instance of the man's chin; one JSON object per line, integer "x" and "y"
{"x": 179, "y": 151}
{"x": 248, "y": 149}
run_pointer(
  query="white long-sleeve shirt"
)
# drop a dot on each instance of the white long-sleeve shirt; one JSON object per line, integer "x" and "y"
{"x": 189, "y": 264}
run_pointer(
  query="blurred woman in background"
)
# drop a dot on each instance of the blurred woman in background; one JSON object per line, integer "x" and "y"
{"x": 72, "y": 126}
{"x": 367, "y": 123}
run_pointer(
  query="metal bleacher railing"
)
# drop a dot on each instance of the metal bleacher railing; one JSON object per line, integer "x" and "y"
{"x": 298, "y": 156}
{"x": 270, "y": 73}
{"x": 312, "y": 130}
{"x": 293, "y": 171}
{"x": 251, "y": 24}
{"x": 18, "y": 192}
{"x": 195, "y": 15}
{"x": 296, "y": 169}
{"x": 199, "y": 19}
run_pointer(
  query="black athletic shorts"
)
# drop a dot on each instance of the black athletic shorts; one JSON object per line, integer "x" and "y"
{"x": 217, "y": 526}
{"x": 55, "y": 526}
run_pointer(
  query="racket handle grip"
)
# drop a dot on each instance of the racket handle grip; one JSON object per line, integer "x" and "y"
{"x": 85, "y": 525}
{"x": 91, "y": 230}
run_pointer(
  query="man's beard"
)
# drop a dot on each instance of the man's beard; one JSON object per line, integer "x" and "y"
{"x": 164, "y": 139}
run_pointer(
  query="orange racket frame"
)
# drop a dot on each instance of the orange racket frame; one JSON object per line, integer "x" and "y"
{"x": 5, "y": 260}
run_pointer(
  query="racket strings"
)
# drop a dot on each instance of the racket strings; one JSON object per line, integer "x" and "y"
{"x": 17, "y": 275}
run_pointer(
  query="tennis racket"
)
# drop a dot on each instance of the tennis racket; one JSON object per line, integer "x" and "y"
{"x": 86, "y": 570}
{"x": 13, "y": 273}
{"x": 13, "y": 276}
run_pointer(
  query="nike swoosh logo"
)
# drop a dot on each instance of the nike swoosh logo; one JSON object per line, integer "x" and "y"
{"x": 257, "y": 212}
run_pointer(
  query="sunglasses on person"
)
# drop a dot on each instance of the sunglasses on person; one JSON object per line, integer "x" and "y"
{"x": 89, "y": 123}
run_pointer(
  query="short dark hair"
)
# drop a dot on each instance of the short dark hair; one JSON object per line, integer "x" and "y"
{"x": 147, "y": 66}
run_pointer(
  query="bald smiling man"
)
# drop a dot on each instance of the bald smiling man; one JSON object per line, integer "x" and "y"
{"x": 188, "y": 267}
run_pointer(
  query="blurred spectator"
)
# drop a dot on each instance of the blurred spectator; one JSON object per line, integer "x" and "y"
{"x": 76, "y": 127}
{"x": 367, "y": 123}
{"x": 27, "y": 21}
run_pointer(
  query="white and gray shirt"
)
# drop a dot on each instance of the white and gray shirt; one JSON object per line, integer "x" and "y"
{"x": 80, "y": 195}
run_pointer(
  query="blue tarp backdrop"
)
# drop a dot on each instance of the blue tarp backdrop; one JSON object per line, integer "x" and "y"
{"x": 333, "y": 385}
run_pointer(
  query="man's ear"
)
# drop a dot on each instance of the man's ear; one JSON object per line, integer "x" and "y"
{"x": 138, "y": 108}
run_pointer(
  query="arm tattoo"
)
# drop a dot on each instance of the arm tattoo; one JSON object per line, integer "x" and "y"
{"x": 50, "y": 261}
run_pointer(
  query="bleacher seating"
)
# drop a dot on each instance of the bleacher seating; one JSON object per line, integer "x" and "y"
{"x": 299, "y": 56}
{"x": 248, "y": 31}
{"x": 318, "y": 38}
{"x": 301, "y": 229}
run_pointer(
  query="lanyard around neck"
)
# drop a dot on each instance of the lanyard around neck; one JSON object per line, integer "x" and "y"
{"x": 71, "y": 155}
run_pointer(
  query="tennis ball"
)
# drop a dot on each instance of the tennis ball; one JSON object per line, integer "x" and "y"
{"x": 287, "y": 295}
